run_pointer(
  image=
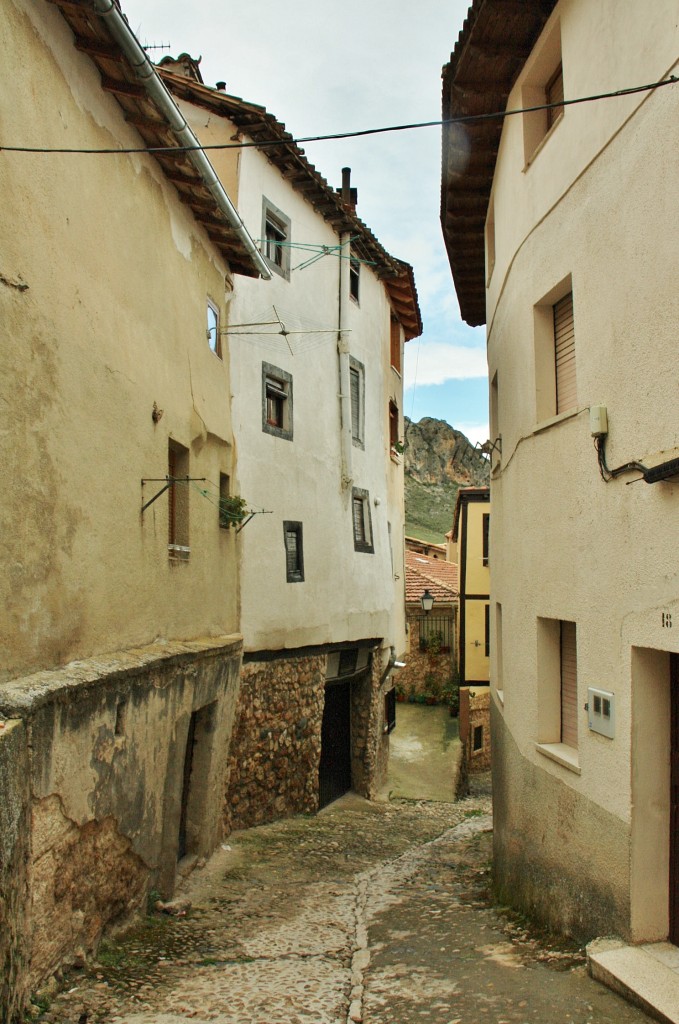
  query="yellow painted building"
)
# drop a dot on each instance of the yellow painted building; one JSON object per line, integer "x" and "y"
{"x": 469, "y": 547}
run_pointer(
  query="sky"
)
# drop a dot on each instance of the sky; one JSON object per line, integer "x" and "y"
{"x": 322, "y": 68}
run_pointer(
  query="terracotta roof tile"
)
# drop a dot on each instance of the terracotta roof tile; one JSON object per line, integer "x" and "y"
{"x": 438, "y": 577}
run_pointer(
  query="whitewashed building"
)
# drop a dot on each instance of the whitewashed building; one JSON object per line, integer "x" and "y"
{"x": 316, "y": 364}
{"x": 561, "y": 228}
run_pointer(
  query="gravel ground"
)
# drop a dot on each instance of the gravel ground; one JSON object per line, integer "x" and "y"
{"x": 373, "y": 912}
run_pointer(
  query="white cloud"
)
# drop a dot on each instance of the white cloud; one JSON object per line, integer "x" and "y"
{"x": 435, "y": 362}
{"x": 475, "y": 432}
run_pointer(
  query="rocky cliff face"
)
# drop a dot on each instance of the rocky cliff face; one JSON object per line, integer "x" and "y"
{"x": 438, "y": 461}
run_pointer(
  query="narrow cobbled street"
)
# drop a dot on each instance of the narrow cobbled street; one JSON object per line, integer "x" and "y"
{"x": 374, "y": 912}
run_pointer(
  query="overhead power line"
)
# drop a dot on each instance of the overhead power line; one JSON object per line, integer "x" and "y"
{"x": 266, "y": 143}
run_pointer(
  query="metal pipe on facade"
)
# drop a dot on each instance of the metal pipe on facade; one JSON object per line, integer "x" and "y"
{"x": 343, "y": 352}
{"x": 147, "y": 74}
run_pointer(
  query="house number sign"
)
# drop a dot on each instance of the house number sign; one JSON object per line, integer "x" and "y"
{"x": 667, "y": 620}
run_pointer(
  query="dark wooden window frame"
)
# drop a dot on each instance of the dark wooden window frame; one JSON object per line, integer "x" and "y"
{"x": 277, "y": 394}
{"x": 294, "y": 558}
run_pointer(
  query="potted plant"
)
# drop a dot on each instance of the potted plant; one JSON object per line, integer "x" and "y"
{"x": 232, "y": 510}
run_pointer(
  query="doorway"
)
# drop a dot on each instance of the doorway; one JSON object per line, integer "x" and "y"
{"x": 674, "y": 800}
{"x": 334, "y": 773}
{"x": 195, "y": 782}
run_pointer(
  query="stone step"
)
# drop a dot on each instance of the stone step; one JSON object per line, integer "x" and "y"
{"x": 647, "y": 975}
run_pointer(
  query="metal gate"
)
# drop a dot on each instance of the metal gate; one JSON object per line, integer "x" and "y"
{"x": 334, "y": 773}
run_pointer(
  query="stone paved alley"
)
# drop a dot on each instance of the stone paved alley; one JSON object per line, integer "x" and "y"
{"x": 368, "y": 912}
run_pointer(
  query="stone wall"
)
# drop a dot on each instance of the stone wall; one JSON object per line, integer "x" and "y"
{"x": 276, "y": 745}
{"x": 370, "y": 744}
{"x": 104, "y": 781}
{"x": 424, "y": 668}
{"x": 475, "y": 715}
{"x": 14, "y": 847}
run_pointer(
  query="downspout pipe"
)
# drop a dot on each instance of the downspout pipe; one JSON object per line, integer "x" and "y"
{"x": 343, "y": 352}
{"x": 343, "y": 343}
{"x": 155, "y": 87}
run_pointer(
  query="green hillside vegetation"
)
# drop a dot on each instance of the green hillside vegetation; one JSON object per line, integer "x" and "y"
{"x": 429, "y": 510}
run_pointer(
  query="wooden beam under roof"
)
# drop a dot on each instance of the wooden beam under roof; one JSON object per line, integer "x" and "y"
{"x": 123, "y": 88}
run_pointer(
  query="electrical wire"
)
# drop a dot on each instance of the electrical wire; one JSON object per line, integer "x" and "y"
{"x": 610, "y": 474}
{"x": 270, "y": 143}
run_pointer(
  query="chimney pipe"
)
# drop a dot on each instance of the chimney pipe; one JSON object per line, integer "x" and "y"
{"x": 221, "y": 86}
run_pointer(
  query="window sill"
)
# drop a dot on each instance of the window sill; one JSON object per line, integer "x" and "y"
{"x": 500, "y": 696}
{"x": 396, "y": 371}
{"x": 564, "y": 755}
{"x": 395, "y": 457}
{"x": 178, "y": 553}
{"x": 553, "y": 420}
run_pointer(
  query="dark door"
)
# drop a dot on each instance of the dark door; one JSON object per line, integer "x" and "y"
{"x": 674, "y": 799}
{"x": 335, "y": 767}
{"x": 186, "y": 788}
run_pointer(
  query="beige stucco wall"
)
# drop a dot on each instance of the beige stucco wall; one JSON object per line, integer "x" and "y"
{"x": 104, "y": 279}
{"x": 345, "y": 594}
{"x": 597, "y": 204}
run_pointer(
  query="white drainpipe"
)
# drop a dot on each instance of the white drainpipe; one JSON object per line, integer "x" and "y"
{"x": 145, "y": 71}
{"x": 343, "y": 351}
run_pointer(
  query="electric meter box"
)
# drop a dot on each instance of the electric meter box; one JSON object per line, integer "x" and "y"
{"x": 601, "y": 711}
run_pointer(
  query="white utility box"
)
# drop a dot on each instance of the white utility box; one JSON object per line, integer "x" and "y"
{"x": 601, "y": 711}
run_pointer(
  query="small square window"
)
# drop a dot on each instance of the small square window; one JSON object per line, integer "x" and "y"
{"x": 276, "y": 401}
{"x": 542, "y": 84}
{"x": 276, "y": 239}
{"x": 294, "y": 554}
{"x": 213, "y": 338}
{"x": 360, "y": 506}
{"x": 394, "y": 441}
{"x": 354, "y": 278}
{"x": 486, "y": 537}
{"x": 477, "y": 743}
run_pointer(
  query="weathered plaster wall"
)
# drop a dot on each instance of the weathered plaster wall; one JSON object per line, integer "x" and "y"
{"x": 536, "y": 817}
{"x": 14, "y": 855}
{"x": 276, "y": 745}
{"x": 108, "y": 741}
{"x": 565, "y": 544}
{"x": 103, "y": 294}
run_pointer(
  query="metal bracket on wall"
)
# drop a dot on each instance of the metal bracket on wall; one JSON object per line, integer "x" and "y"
{"x": 168, "y": 481}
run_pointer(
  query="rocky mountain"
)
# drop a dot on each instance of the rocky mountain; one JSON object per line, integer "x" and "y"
{"x": 438, "y": 461}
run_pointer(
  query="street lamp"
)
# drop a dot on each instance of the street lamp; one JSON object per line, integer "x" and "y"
{"x": 427, "y": 602}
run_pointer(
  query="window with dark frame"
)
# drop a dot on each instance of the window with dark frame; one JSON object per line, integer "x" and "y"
{"x": 354, "y": 278}
{"x": 486, "y": 622}
{"x": 362, "y": 522}
{"x": 294, "y": 555}
{"x": 395, "y": 344}
{"x": 393, "y": 426}
{"x": 486, "y": 537}
{"x": 277, "y": 402}
{"x": 477, "y": 742}
{"x": 275, "y": 238}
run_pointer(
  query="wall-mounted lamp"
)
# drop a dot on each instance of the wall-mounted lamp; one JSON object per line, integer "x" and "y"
{"x": 427, "y": 602}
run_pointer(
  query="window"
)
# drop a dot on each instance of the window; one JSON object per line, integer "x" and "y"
{"x": 499, "y": 681}
{"x": 213, "y": 338}
{"x": 543, "y": 83}
{"x": 178, "y": 502}
{"x": 276, "y": 401}
{"x": 395, "y": 345}
{"x": 294, "y": 555}
{"x": 554, "y": 94}
{"x": 486, "y": 537}
{"x": 390, "y": 710}
{"x": 486, "y": 628}
{"x": 494, "y": 414}
{"x": 490, "y": 240}
{"x": 276, "y": 239}
{"x": 557, "y": 666}
{"x": 564, "y": 354}
{"x": 555, "y": 356}
{"x": 394, "y": 441}
{"x": 354, "y": 278}
{"x": 569, "y": 684}
{"x": 357, "y": 386}
{"x": 477, "y": 742}
{"x": 360, "y": 507}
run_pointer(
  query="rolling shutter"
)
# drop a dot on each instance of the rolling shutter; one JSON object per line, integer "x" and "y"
{"x": 355, "y": 380}
{"x": 564, "y": 353}
{"x": 554, "y": 94}
{"x": 569, "y": 685}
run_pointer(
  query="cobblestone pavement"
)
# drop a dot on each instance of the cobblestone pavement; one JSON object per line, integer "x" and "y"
{"x": 368, "y": 912}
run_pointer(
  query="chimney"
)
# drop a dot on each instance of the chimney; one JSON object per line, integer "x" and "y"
{"x": 221, "y": 86}
{"x": 349, "y": 194}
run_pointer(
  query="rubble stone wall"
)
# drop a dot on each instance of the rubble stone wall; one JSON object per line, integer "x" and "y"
{"x": 276, "y": 746}
{"x": 422, "y": 667}
{"x": 370, "y": 744}
{"x": 107, "y": 742}
{"x": 14, "y": 853}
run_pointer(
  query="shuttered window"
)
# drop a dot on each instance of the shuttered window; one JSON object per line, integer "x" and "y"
{"x": 362, "y": 525}
{"x": 569, "y": 685}
{"x": 359, "y": 523}
{"x": 393, "y": 424}
{"x": 564, "y": 354}
{"x": 355, "y": 379}
{"x": 294, "y": 561}
{"x": 554, "y": 94}
{"x": 396, "y": 344}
